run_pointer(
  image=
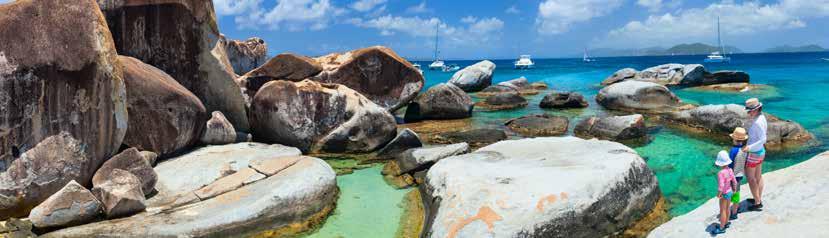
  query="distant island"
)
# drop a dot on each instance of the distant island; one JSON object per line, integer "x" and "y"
{"x": 681, "y": 49}
{"x": 795, "y": 49}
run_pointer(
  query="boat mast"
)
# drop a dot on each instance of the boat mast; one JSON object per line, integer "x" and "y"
{"x": 437, "y": 31}
{"x": 719, "y": 39}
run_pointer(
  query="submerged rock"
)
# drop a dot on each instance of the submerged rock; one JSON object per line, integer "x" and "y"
{"x": 638, "y": 96}
{"x": 59, "y": 72}
{"x": 421, "y": 158}
{"x": 619, "y": 76}
{"x": 503, "y": 101}
{"x": 539, "y": 125}
{"x": 804, "y": 183}
{"x": 180, "y": 37}
{"x": 131, "y": 161}
{"x": 120, "y": 194}
{"x": 341, "y": 119}
{"x": 247, "y": 55}
{"x": 563, "y": 100}
{"x": 165, "y": 117}
{"x": 475, "y": 137}
{"x": 218, "y": 130}
{"x": 284, "y": 66}
{"x": 442, "y": 101}
{"x": 475, "y": 77}
{"x": 72, "y": 205}
{"x": 406, "y": 139}
{"x": 616, "y": 128}
{"x": 504, "y": 190}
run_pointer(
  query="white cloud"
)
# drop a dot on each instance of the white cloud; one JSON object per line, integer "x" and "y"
{"x": 475, "y": 31}
{"x": 658, "y": 5}
{"x": 366, "y": 5}
{"x": 295, "y": 15}
{"x": 512, "y": 10}
{"x": 233, "y": 7}
{"x": 698, "y": 24}
{"x": 420, "y": 8}
{"x": 556, "y": 16}
{"x": 469, "y": 19}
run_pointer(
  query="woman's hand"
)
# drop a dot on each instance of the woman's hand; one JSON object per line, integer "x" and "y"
{"x": 744, "y": 149}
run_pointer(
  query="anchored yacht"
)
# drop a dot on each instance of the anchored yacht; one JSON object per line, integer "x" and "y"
{"x": 524, "y": 62}
{"x": 716, "y": 56}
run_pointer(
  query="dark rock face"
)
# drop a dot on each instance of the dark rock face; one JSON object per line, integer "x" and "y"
{"x": 179, "y": 37}
{"x": 42, "y": 171}
{"x": 165, "y": 116}
{"x": 218, "y": 130}
{"x": 376, "y": 72}
{"x": 539, "y": 125}
{"x": 120, "y": 194}
{"x": 341, "y": 119}
{"x": 563, "y": 100}
{"x": 72, "y": 205}
{"x": 616, "y": 128}
{"x": 287, "y": 66}
{"x": 726, "y": 76}
{"x": 406, "y": 139}
{"x": 636, "y": 96}
{"x": 58, "y": 73}
{"x": 503, "y": 101}
{"x": 247, "y": 55}
{"x": 132, "y": 161}
{"x": 475, "y": 137}
{"x": 442, "y": 101}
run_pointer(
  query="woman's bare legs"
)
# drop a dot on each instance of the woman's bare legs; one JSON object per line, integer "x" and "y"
{"x": 758, "y": 173}
{"x": 751, "y": 173}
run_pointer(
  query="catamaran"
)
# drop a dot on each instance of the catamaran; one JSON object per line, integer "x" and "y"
{"x": 437, "y": 64}
{"x": 524, "y": 62}
{"x": 716, "y": 56}
{"x": 586, "y": 58}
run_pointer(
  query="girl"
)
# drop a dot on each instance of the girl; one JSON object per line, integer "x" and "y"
{"x": 725, "y": 189}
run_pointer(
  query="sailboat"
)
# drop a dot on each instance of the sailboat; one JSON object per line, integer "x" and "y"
{"x": 716, "y": 56}
{"x": 437, "y": 64}
{"x": 586, "y": 58}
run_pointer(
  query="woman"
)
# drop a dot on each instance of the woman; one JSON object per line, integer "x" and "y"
{"x": 755, "y": 147}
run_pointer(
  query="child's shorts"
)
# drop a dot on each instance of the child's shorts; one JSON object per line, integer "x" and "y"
{"x": 735, "y": 198}
{"x": 728, "y": 195}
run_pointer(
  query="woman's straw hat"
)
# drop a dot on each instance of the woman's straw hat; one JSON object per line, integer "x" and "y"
{"x": 752, "y": 104}
{"x": 739, "y": 134}
{"x": 723, "y": 159}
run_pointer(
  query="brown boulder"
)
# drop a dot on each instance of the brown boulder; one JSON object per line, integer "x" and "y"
{"x": 131, "y": 161}
{"x": 247, "y": 55}
{"x": 616, "y": 128}
{"x": 218, "y": 130}
{"x": 286, "y": 66}
{"x": 165, "y": 116}
{"x": 563, "y": 100}
{"x": 72, "y": 205}
{"x": 121, "y": 194}
{"x": 539, "y": 125}
{"x": 503, "y": 101}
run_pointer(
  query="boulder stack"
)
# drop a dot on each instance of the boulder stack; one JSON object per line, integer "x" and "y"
{"x": 132, "y": 161}
{"x": 285, "y": 66}
{"x": 475, "y": 77}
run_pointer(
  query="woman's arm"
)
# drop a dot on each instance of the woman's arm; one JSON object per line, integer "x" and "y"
{"x": 761, "y": 137}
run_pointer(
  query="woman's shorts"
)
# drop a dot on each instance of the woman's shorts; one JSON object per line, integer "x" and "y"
{"x": 755, "y": 159}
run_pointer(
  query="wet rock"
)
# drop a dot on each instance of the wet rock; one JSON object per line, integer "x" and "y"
{"x": 180, "y": 37}
{"x": 619, "y": 76}
{"x": 165, "y": 117}
{"x": 422, "y": 158}
{"x": 247, "y": 55}
{"x": 342, "y": 120}
{"x": 475, "y": 77}
{"x": 804, "y": 182}
{"x": 503, "y": 101}
{"x": 218, "y": 130}
{"x": 58, "y": 73}
{"x": 42, "y": 171}
{"x": 474, "y": 137}
{"x": 376, "y": 72}
{"x": 616, "y": 128}
{"x": 563, "y": 100}
{"x": 72, "y": 205}
{"x": 120, "y": 194}
{"x": 726, "y": 77}
{"x": 442, "y": 101}
{"x": 131, "y": 161}
{"x": 406, "y": 139}
{"x": 638, "y": 96}
{"x": 504, "y": 190}
{"x": 285, "y": 66}
{"x": 539, "y": 125}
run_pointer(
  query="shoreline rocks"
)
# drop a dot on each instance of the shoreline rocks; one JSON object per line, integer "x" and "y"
{"x": 504, "y": 101}
{"x": 640, "y": 97}
{"x": 615, "y": 128}
{"x": 689, "y": 75}
{"x": 475, "y": 77}
{"x": 405, "y": 139}
{"x": 520, "y": 85}
{"x": 442, "y": 101}
{"x": 284, "y": 66}
{"x": 539, "y": 125}
{"x": 247, "y": 55}
{"x": 72, "y": 205}
{"x": 475, "y": 137}
{"x": 563, "y": 100}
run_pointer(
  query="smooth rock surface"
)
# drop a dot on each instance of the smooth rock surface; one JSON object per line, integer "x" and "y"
{"x": 131, "y": 161}
{"x": 503, "y": 101}
{"x": 619, "y": 76}
{"x": 442, "y": 101}
{"x": 247, "y": 55}
{"x": 475, "y": 77}
{"x": 505, "y": 190}
{"x": 405, "y": 139}
{"x": 421, "y": 158}
{"x": 218, "y": 130}
{"x": 120, "y": 194}
{"x": 340, "y": 120}
{"x": 475, "y": 137}
{"x": 795, "y": 206}
{"x": 72, "y": 205}
{"x": 563, "y": 100}
{"x": 638, "y": 96}
{"x": 284, "y": 66}
{"x": 539, "y": 125}
{"x": 616, "y": 128}
{"x": 673, "y": 74}
{"x": 165, "y": 117}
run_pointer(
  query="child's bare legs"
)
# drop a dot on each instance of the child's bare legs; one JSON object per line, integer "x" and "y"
{"x": 723, "y": 212}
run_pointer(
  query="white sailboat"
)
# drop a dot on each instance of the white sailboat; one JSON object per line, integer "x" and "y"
{"x": 716, "y": 56}
{"x": 437, "y": 64}
{"x": 586, "y": 58}
{"x": 524, "y": 62}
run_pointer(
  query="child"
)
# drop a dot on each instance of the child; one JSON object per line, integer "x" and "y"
{"x": 725, "y": 184}
{"x": 738, "y": 138}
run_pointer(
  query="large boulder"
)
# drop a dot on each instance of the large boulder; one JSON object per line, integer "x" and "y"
{"x": 120, "y": 194}
{"x": 563, "y": 100}
{"x": 503, "y": 101}
{"x": 539, "y": 125}
{"x": 165, "y": 117}
{"x": 180, "y": 37}
{"x": 475, "y": 77}
{"x": 726, "y": 77}
{"x": 442, "y": 101}
{"x": 285, "y": 66}
{"x": 421, "y": 158}
{"x": 619, "y": 76}
{"x": 721, "y": 120}
{"x": 542, "y": 187}
{"x": 405, "y": 139}
{"x": 476, "y": 137}
{"x": 247, "y": 55}
{"x": 132, "y": 161}
{"x": 72, "y": 205}
{"x": 59, "y": 72}
{"x": 218, "y": 130}
{"x": 340, "y": 120}
{"x": 616, "y": 128}
{"x": 376, "y": 72}
{"x": 805, "y": 183}
{"x": 673, "y": 74}
{"x": 638, "y": 96}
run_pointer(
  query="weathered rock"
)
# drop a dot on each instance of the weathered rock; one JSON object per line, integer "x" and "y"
{"x": 180, "y": 37}
{"x": 58, "y": 73}
{"x": 72, "y": 205}
{"x": 16, "y": 228}
{"x": 722, "y": 119}
{"x": 539, "y": 125}
{"x": 725, "y": 77}
{"x": 475, "y": 77}
{"x": 563, "y": 100}
{"x": 520, "y": 85}
{"x": 42, "y": 171}
{"x": 131, "y": 161}
{"x": 376, "y": 72}
{"x": 164, "y": 116}
{"x": 442, "y": 101}
{"x": 298, "y": 196}
{"x": 406, "y": 139}
{"x": 805, "y": 183}
{"x": 247, "y": 55}
{"x": 673, "y": 75}
{"x": 285, "y": 66}
{"x": 229, "y": 183}
{"x": 616, "y": 128}
{"x": 120, "y": 194}
{"x": 149, "y": 156}
{"x": 505, "y": 190}
{"x": 495, "y": 89}
{"x": 218, "y": 130}
{"x": 475, "y": 137}
{"x": 421, "y": 158}
{"x": 619, "y": 76}
{"x": 638, "y": 96}
{"x": 341, "y": 119}
{"x": 503, "y": 101}
{"x": 538, "y": 85}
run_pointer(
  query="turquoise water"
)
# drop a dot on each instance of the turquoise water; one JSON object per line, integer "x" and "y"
{"x": 682, "y": 162}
